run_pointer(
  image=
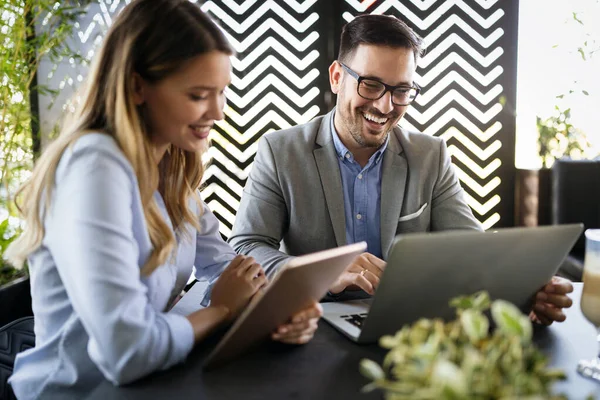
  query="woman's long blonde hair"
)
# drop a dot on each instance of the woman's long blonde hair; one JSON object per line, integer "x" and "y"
{"x": 152, "y": 38}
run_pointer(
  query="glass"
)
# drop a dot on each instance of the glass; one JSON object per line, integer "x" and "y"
{"x": 372, "y": 89}
{"x": 590, "y": 298}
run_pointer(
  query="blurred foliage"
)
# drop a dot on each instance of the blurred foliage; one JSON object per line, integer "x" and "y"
{"x": 590, "y": 45}
{"x": 30, "y": 30}
{"x": 7, "y": 235}
{"x": 559, "y": 138}
{"x": 461, "y": 359}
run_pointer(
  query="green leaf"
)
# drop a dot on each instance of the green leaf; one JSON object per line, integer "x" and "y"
{"x": 369, "y": 387}
{"x": 3, "y": 227}
{"x": 450, "y": 379}
{"x": 511, "y": 321}
{"x": 388, "y": 341}
{"x": 371, "y": 370}
{"x": 475, "y": 325}
{"x": 479, "y": 300}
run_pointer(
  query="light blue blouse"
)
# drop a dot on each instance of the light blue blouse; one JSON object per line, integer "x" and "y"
{"x": 96, "y": 317}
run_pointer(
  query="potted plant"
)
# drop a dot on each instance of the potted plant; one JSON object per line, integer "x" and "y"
{"x": 461, "y": 359}
{"x": 558, "y": 138}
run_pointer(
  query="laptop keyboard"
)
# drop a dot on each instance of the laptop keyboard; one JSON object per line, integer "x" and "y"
{"x": 355, "y": 319}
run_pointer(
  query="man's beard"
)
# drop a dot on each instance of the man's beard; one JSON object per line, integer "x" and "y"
{"x": 356, "y": 128}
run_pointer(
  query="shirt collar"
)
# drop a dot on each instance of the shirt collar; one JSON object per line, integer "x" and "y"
{"x": 343, "y": 152}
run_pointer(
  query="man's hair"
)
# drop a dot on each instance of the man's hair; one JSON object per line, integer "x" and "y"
{"x": 381, "y": 30}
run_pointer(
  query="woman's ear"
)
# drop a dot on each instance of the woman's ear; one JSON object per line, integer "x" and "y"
{"x": 138, "y": 89}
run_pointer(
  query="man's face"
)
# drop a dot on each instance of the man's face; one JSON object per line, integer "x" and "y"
{"x": 366, "y": 123}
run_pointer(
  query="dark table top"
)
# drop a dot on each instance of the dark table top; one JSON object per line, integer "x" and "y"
{"x": 327, "y": 368}
{"x": 568, "y": 342}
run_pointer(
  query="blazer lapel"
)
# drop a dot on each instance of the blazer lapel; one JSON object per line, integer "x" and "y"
{"x": 331, "y": 180}
{"x": 393, "y": 182}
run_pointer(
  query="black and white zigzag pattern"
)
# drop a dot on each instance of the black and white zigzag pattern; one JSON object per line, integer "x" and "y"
{"x": 461, "y": 101}
{"x": 274, "y": 86}
{"x": 279, "y": 80}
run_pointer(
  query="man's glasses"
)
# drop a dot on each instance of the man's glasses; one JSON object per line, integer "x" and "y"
{"x": 372, "y": 89}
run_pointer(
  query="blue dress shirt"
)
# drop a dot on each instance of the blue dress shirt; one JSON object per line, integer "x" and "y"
{"x": 362, "y": 195}
{"x": 96, "y": 317}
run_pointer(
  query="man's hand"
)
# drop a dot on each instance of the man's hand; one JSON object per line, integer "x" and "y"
{"x": 364, "y": 273}
{"x": 550, "y": 300}
{"x": 301, "y": 327}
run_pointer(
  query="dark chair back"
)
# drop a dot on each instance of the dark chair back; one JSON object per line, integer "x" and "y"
{"x": 576, "y": 196}
{"x": 15, "y": 298}
{"x": 15, "y": 337}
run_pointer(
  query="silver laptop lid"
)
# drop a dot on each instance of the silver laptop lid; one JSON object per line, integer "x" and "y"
{"x": 426, "y": 270}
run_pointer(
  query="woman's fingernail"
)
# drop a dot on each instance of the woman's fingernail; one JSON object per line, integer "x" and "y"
{"x": 542, "y": 296}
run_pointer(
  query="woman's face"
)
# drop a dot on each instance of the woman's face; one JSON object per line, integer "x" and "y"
{"x": 182, "y": 108}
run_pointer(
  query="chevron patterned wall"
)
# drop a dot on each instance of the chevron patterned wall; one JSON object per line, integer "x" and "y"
{"x": 280, "y": 79}
{"x": 279, "y": 76}
{"x": 468, "y": 75}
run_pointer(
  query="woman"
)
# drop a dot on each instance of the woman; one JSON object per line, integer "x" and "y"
{"x": 114, "y": 219}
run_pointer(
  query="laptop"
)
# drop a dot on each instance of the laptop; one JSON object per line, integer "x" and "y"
{"x": 425, "y": 270}
{"x": 302, "y": 281}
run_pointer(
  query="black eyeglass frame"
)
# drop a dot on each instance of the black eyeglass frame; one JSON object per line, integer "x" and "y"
{"x": 388, "y": 88}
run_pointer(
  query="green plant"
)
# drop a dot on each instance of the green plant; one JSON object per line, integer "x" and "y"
{"x": 590, "y": 45}
{"x": 461, "y": 359}
{"x": 558, "y": 137}
{"x": 7, "y": 235}
{"x": 30, "y": 30}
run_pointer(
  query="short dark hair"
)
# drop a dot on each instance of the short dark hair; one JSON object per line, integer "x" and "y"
{"x": 381, "y": 30}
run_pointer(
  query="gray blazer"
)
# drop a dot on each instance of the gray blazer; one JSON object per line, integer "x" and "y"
{"x": 293, "y": 201}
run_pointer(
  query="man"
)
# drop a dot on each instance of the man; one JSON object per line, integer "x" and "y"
{"x": 354, "y": 175}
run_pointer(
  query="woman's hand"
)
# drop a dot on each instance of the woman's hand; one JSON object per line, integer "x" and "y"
{"x": 242, "y": 278}
{"x": 301, "y": 327}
